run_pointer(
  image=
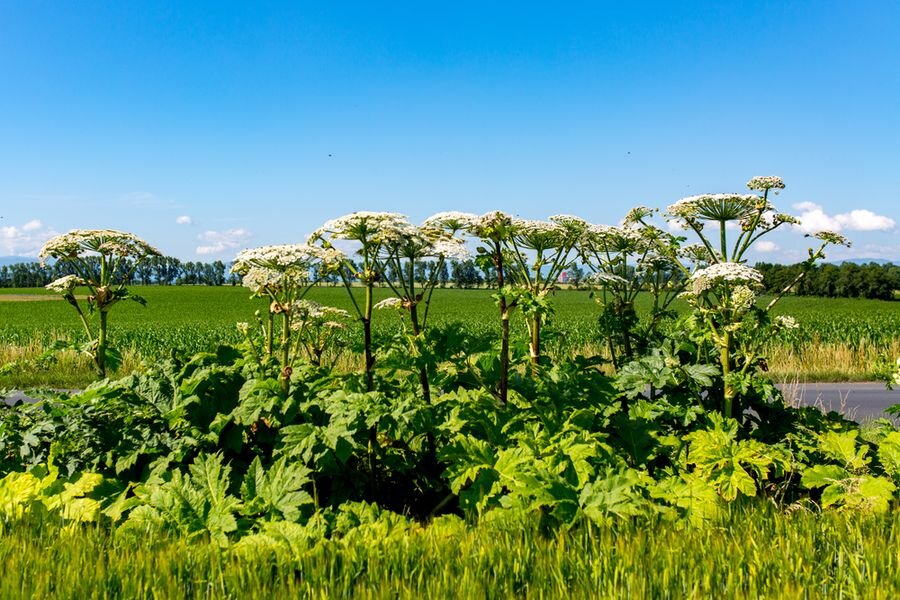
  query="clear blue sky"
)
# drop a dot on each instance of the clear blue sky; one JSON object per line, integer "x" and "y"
{"x": 260, "y": 120}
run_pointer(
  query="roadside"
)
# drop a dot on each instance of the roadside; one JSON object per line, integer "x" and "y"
{"x": 861, "y": 402}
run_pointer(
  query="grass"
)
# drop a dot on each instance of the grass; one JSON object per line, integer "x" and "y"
{"x": 839, "y": 339}
{"x": 757, "y": 552}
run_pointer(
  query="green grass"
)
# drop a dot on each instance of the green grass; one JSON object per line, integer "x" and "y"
{"x": 839, "y": 339}
{"x": 758, "y": 552}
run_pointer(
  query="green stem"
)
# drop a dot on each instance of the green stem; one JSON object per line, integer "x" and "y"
{"x": 285, "y": 351}
{"x": 270, "y": 326}
{"x": 101, "y": 345}
{"x": 723, "y": 240}
{"x": 725, "y": 359}
{"x": 367, "y": 339}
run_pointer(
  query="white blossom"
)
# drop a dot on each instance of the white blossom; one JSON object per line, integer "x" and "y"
{"x": 65, "y": 285}
{"x": 707, "y": 277}
{"x": 307, "y": 312}
{"x": 99, "y": 241}
{"x": 831, "y": 237}
{"x": 602, "y": 278}
{"x": 742, "y": 298}
{"x": 786, "y": 322}
{"x": 362, "y": 226}
{"x": 260, "y": 279}
{"x": 284, "y": 257}
{"x": 716, "y": 207}
{"x": 453, "y": 248}
{"x": 452, "y": 220}
{"x": 766, "y": 183}
{"x": 392, "y": 302}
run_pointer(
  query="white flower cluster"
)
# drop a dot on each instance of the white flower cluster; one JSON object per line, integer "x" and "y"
{"x": 770, "y": 220}
{"x": 638, "y": 214}
{"x": 708, "y": 277}
{"x": 606, "y": 238}
{"x": 452, "y": 220}
{"x": 696, "y": 253}
{"x": 766, "y": 183}
{"x": 786, "y": 322}
{"x": 362, "y": 226}
{"x": 832, "y": 237}
{"x": 65, "y": 285}
{"x": 388, "y": 303}
{"x": 99, "y": 241}
{"x": 571, "y": 223}
{"x": 309, "y": 312}
{"x": 602, "y": 278}
{"x": 451, "y": 248}
{"x": 742, "y": 298}
{"x": 715, "y": 207}
{"x": 284, "y": 257}
{"x": 261, "y": 279}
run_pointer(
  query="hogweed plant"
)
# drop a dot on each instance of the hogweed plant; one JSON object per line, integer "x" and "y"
{"x": 318, "y": 329}
{"x": 493, "y": 230}
{"x": 625, "y": 261}
{"x": 402, "y": 248}
{"x": 103, "y": 261}
{"x": 541, "y": 251}
{"x": 370, "y": 231}
{"x": 724, "y": 292}
{"x": 283, "y": 275}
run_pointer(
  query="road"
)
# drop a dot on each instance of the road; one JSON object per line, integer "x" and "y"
{"x": 859, "y": 401}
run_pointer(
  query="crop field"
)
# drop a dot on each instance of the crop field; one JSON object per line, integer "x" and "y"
{"x": 838, "y": 339}
{"x": 761, "y": 554}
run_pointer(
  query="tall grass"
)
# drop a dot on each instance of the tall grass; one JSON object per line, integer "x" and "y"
{"x": 757, "y": 552}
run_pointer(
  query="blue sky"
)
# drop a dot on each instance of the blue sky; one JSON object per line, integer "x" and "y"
{"x": 257, "y": 121}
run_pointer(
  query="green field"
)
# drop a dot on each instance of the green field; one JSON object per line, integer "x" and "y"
{"x": 757, "y": 553}
{"x": 839, "y": 339}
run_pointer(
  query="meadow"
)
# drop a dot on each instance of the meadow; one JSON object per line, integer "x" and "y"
{"x": 467, "y": 444}
{"x": 799, "y": 555}
{"x": 838, "y": 339}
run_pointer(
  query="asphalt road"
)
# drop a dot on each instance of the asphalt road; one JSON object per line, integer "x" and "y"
{"x": 859, "y": 401}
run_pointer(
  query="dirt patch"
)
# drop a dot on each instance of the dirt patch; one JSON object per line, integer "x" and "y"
{"x": 27, "y": 297}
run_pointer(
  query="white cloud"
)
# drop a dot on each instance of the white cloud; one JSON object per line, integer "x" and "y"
{"x": 183, "y": 220}
{"x": 220, "y": 241}
{"x": 813, "y": 218}
{"x": 865, "y": 220}
{"x": 765, "y": 246}
{"x": 24, "y": 240}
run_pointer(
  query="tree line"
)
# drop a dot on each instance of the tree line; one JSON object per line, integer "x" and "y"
{"x": 847, "y": 280}
{"x": 167, "y": 270}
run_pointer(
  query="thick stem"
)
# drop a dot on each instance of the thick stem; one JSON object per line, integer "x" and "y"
{"x": 503, "y": 384}
{"x": 101, "y": 345}
{"x": 270, "y": 326}
{"x": 367, "y": 340}
{"x": 725, "y": 359}
{"x": 423, "y": 370}
{"x": 535, "y": 345}
{"x": 285, "y": 352}
{"x": 723, "y": 240}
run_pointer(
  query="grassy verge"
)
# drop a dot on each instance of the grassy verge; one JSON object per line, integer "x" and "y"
{"x": 759, "y": 552}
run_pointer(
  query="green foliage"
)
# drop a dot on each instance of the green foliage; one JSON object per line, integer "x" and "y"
{"x": 731, "y": 466}
{"x": 850, "y": 484}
